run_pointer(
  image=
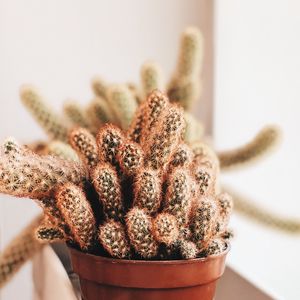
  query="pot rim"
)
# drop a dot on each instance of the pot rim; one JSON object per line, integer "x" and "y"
{"x": 153, "y": 262}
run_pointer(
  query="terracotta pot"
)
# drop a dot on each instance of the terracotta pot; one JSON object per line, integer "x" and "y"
{"x": 104, "y": 278}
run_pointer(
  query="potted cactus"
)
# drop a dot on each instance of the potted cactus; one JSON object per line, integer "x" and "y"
{"x": 141, "y": 211}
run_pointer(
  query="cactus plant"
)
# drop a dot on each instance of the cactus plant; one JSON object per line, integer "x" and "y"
{"x": 165, "y": 214}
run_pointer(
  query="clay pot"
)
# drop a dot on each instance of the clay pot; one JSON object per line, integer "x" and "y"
{"x": 104, "y": 278}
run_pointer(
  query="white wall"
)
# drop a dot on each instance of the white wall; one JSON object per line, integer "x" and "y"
{"x": 58, "y": 46}
{"x": 258, "y": 71}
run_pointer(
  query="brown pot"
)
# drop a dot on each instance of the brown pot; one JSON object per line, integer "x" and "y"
{"x": 104, "y": 278}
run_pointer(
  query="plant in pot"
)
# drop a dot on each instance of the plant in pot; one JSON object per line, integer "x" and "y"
{"x": 141, "y": 212}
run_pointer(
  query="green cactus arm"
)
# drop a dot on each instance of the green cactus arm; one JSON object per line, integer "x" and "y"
{"x": 107, "y": 185}
{"x": 54, "y": 125}
{"x": 99, "y": 113}
{"x": 266, "y": 139}
{"x": 184, "y": 87}
{"x": 135, "y": 130}
{"x": 247, "y": 207}
{"x": 62, "y": 150}
{"x": 165, "y": 229}
{"x": 19, "y": 251}
{"x": 99, "y": 87}
{"x": 76, "y": 114}
{"x": 36, "y": 176}
{"x": 147, "y": 190}
{"x": 139, "y": 229}
{"x": 84, "y": 143}
{"x": 78, "y": 214}
{"x": 184, "y": 91}
{"x": 113, "y": 238}
{"x": 123, "y": 104}
{"x": 151, "y": 78}
{"x": 194, "y": 130}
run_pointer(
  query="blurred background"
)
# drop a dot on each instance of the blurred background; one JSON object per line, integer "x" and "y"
{"x": 59, "y": 45}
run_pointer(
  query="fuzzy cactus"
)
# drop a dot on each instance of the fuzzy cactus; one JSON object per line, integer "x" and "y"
{"x": 182, "y": 157}
{"x": 99, "y": 87}
{"x": 107, "y": 185}
{"x": 178, "y": 201}
{"x": 205, "y": 179}
{"x": 214, "y": 247}
{"x": 155, "y": 105}
{"x": 78, "y": 214}
{"x": 265, "y": 140}
{"x": 52, "y": 123}
{"x": 147, "y": 190}
{"x": 62, "y": 150}
{"x": 194, "y": 129}
{"x": 165, "y": 138}
{"x": 36, "y": 177}
{"x": 113, "y": 238}
{"x": 84, "y": 143}
{"x": 18, "y": 251}
{"x": 134, "y": 131}
{"x": 188, "y": 249}
{"x": 204, "y": 220}
{"x": 47, "y": 233}
{"x": 123, "y": 104}
{"x": 76, "y": 114}
{"x": 130, "y": 157}
{"x": 151, "y": 78}
{"x": 109, "y": 139}
{"x": 140, "y": 232}
{"x": 99, "y": 113}
{"x": 165, "y": 229}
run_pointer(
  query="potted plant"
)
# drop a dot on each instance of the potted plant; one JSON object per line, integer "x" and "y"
{"x": 141, "y": 211}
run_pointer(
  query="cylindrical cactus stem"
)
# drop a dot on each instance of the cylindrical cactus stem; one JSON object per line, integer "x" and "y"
{"x": 203, "y": 220}
{"x": 54, "y": 125}
{"x": 165, "y": 138}
{"x": 165, "y": 229}
{"x": 99, "y": 113}
{"x": 19, "y": 251}
{"x": 12, "y": 149}
{"x": 184, "y": 91}
{"x": 36, "y": 176}
{"x": 134, "y": 89}
{"x": 182, "y": 157}
{"x": 155, "y": 105}
{"x": 49, "y": 234}
{"x": 107, "y": 185}
{"x": 188, "y": 249}
{"x": 214, "y": 247}
{"x": 178, "y": 200}
{"x": 84, "y": 143}
{"x": 204, "y": 155}
{"x": 194, "y": 130}
{"x": 123, "y": 104}
{"x": 76, "y": 114}
{"x": 113, "y": 238}
{"x": 147, "y": 190}
{"x": 136, "y": 126}
{"x": 205, "y": 179}
{"x": 78, "y": 214}
{"x": 151, "y": 78}
{"x": 109, "y": 139}
{"x": 99, "y": 87}
{"x": 130, "y": 157}
{"x": 62, "y": 150}
{"x": 190, "y": 53}
{"x": 139, "y": 229}
{"x": 265, "y": 140}
{"x": 225, "y": 206}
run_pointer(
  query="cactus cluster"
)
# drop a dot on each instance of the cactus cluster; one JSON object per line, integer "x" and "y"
{"x": 125, "y": 199}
